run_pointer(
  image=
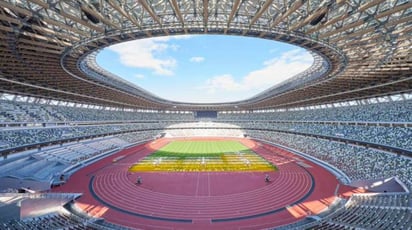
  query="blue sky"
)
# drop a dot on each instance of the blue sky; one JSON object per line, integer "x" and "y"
{"x": 204, "y": 68}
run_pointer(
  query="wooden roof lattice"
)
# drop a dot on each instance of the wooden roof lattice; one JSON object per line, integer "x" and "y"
{"x": 361, "y": 48}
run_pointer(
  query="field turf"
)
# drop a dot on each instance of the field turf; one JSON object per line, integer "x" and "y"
{"x": 210, "y": 156}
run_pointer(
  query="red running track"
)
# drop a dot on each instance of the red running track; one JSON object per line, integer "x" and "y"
{"x": 203, "y": 200}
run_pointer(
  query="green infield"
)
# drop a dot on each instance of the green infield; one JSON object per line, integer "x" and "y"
{"x": 203, "y": 156}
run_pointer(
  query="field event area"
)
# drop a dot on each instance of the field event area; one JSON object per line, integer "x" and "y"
{"x": 203, "y": 156}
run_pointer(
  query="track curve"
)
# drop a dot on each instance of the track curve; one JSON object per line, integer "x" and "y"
{"x": 202, "y": 200}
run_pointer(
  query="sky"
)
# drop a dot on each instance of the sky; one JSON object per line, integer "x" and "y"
{"x": 204, "y": 68}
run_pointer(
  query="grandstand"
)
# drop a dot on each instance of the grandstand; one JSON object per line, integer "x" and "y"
{"x": 339, "y": 133}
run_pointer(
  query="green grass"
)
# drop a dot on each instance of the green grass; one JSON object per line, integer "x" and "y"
{"x": 199, "y": 149}
{"x": 210, "y": 156}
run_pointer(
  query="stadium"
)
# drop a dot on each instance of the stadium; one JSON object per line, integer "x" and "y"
{"x": 329, "y": 148}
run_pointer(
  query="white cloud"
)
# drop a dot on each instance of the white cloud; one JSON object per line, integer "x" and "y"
{"x": 197, "y": 59}
{"x": 222, "y": 82}
{"x": 148, "y": 54}
{"x": 273, "y": 72}
{"x": 155, "y": 55}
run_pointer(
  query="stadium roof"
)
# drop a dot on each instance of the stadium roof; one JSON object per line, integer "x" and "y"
{"x": 361, "y": 48}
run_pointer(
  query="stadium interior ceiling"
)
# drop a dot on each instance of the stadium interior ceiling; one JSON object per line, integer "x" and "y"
{"x": 361, "y": 49}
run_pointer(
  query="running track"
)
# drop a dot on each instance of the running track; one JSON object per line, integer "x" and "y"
{"x": 203, "y": 200}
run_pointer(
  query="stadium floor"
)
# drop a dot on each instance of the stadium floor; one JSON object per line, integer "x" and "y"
{"x": 204, "y": 200}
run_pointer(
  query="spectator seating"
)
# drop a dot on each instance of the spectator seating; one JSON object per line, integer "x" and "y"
{"x": 16, "y": 137}
{"x": 395, "y": 136}
{"x": 203, "y": 129}
{"x": 13, "y": 111}
{"x": 49, "y": 163}
{"x": 363, "y": 211}
{"x": 59, "y": 217}
{"x": 395, "y": 111}
{"x": 359, "y": 163}
{"x": 388, "y": 124}
{"x": 371, "y": 211}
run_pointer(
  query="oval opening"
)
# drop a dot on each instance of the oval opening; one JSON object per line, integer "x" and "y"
{"x": 204, "y": 68}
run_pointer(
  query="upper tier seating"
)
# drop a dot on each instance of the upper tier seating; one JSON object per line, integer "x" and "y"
{"x": 12, "y": 111}
{"x": 397, "y": 137}
{"x": 28, "y": 136}
{"x": 396, "y": 111}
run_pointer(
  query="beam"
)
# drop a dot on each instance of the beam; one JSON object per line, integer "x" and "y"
{"x": 36, "y": 48}
{"x": 296, "y": 5}
{"x": 40, "y": 3}
{"x": 308, "y": 19}
{"x": 205, "y": 14}
{"x": 178, "y": 13}
{"x": 150, "y": 11}
{"x": 56, "y": 34}
{"x": 16, "y": 8}
{"x": 343, "y": 28}
{"x": 87, "y": 8}
{"x": 44, "y": 38}
{"x": 41, "y": 44}
{"x": 329, "y": 22}
{"x": 66, "y": 27}
{"x": 80, "y": 21}
{"x": 370, "y": 4}
{"x": 152, "y": 14}
{"x": 235, "y": 8}
{"x": 394, "y": 10}
{"x": 260, "y": 12}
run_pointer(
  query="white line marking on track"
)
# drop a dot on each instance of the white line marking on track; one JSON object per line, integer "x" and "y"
{"x": 197, "y": 184}
{"x": 208, "y": 184}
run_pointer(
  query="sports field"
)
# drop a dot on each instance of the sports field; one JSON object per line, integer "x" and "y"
{"x": 208, "y": 156}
